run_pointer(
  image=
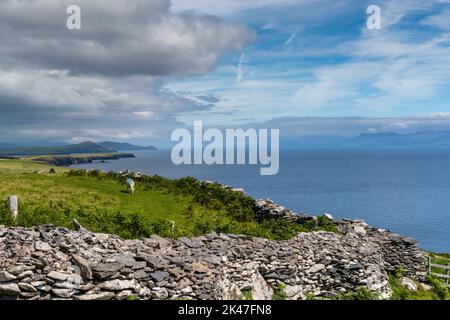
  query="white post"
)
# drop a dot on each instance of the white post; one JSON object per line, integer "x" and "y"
{"x": 172, "y": 227}
{"x": 13, "y": 203}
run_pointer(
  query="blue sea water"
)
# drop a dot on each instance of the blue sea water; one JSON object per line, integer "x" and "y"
{"x": 404, "y": 190}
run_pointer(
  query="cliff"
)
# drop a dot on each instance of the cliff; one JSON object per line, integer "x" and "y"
{"x": 72, "y": 160}
{"x": 47, "y": 262}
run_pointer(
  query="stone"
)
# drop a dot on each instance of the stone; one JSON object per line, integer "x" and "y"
{"x": 6, "y": 276}
{"x": 316, "y": 268}
{"x": 176, "y": 261}
{"x": 15, "y": 270}
{"x": 58, "y": 276}
{"x": 408, "y": 283}
{"x": 77, "y": 225}
{"x": 159, "y": 293}
{"x": 360, "y": 230}
{"x": 42, "y": 246}
{"x": 66, "y": 285}
{"x": 140, "y": 274}
{"x": 200, "y": 268}
{"x": 260, "y": 288}
{"x": 10, "y": 289}
{"x": 126, "y": 260}
{"x": 118, "y": 285}
{"x": 156, "y": 262}
{"x": 409, "y": 241}
{"x": 109, "y": 267}
{"x": 96, "y": 296}
{"x": 187, "y": 290}
{"x": 139, "y": 265}
{"x": 38, "y": 283}
{"x": 159, "y": 275}
{"x": 27, "y": 287}
{"x": 25, "y": 274}
{"x": 123, "y": 295}
{"x": 329, "y": 216}
{"x": 426, "y": 287}
{"x": 355, "y": 266}
{"x": 83, "y": 264}
{"x": 63, "y": 293}
{"x": 293, "y": 292}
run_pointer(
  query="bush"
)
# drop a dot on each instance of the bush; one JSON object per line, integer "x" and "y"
{"x": 279, "y": 293}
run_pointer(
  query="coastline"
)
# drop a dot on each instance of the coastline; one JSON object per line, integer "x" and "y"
{"x": 65, "y": 161}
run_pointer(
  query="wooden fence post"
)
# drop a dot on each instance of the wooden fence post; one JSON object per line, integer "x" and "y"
{"x": 13, "y": 203}
{"x": 448, "y": 273}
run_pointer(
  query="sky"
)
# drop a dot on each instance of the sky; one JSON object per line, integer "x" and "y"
{"x": 139, "y": 69}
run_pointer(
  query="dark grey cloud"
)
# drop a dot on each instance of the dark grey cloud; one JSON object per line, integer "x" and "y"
{"x": 46, "y": 106}
{"x": 117, "y": 38}
{"x": 107, "y": 80}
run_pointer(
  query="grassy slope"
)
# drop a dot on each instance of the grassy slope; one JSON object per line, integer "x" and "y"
{"x": 103, "y": 205}
{"x": 89, "y": 194}
{"x": 24, "y": 166}
{"x": 85, "y": 147}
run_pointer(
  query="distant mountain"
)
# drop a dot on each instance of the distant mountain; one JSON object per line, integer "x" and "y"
{"x": 85, "y": 147}
{"x": 391, "y": 139}
{"x": 312, "y": 142}
{"x": 125, "y": 146}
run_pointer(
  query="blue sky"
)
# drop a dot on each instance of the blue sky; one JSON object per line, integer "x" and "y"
{"x": 313, "y": 59}
{"x": 307, "y": 67}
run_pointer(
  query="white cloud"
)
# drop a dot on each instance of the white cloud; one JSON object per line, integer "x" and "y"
{"x": 440, "y": 20}
{"x": 116, "y": 38}
{"x": 291, "y": 39}
{"x": 226, "y": 7}
{"x": 240, "y": 69}
{"x": 105, "y": 80}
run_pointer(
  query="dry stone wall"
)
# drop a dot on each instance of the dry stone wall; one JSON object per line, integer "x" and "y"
{"x": 48, "y": 262}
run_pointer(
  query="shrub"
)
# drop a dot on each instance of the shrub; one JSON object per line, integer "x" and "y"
{"x": 279, "y": 293}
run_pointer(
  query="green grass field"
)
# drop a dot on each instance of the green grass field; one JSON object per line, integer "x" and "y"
{"x": 12, "y": 166}
{"x": 100, "y": 203}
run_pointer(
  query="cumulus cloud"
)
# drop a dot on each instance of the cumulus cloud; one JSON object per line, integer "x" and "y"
{"x": 107, "y": 79}
{"x": 117, "y": 38}
{"x": 440, "y": 20}
{"x": 385, "y": 70}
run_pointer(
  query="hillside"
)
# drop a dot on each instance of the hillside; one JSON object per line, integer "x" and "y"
{"x": 70, "y": 160}
{"x": 100, "y": 202}
{"x": 391, "y": 139}
{"x": 85, "y": 147}
{"x": 123, "y": 146}
{"x": 21, "y": 166}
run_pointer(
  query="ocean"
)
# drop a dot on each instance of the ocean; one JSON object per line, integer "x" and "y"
{"x": 403, "y": 190}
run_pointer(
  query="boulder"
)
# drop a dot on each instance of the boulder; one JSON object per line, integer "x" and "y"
{"x": 6, "y": 276}
{"x": 118, "y": 285}
{"x": 316, "y": 268}
{"x": 408, "y": 283}
{"x": 96, "y": 296}
{"x": 10, "y": 289}
{"x": 84, "y": 266}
